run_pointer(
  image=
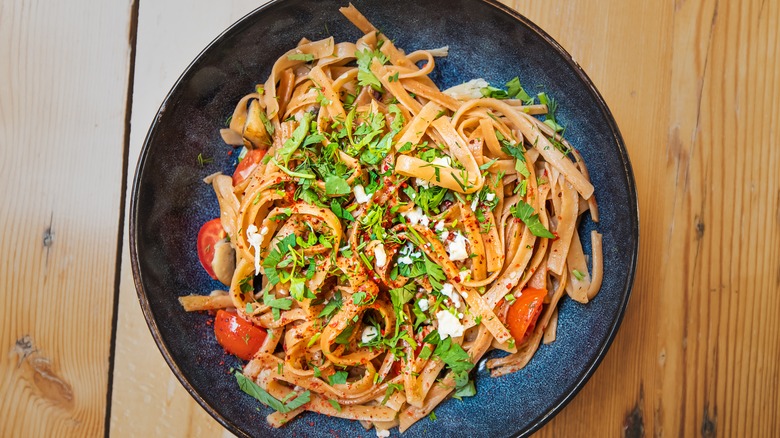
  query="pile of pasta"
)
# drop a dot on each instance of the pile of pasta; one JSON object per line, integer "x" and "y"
{"x": 380, "y": 203}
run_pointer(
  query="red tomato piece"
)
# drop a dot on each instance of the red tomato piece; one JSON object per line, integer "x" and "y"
{"x": 210, "y": 233}
{"x": 237, "y": 335}
{"x": 247, "y": 165}
{"x": 523, "y": 313}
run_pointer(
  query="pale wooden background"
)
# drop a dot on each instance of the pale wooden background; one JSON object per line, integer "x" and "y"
{"x": 693, "y": 84}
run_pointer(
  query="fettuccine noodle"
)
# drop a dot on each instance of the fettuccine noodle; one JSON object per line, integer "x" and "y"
{"x": 392, "y": 234}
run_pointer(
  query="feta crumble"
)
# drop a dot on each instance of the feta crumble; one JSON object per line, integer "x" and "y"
{"x": 360, "y": 194}
{"x": 449, "y": 325}
{"x": 448, "y": 291}
{"x": 369, "y": 333}
{"x": 416, "y": 216}
{"x": 457, "y": 248}
{"x": 380, "y": 255}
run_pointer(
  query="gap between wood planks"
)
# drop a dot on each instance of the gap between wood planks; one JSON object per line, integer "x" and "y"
{"x": 132, "y": 40}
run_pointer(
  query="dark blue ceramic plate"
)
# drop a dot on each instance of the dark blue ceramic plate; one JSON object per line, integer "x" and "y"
{"x": 170, "y": 202}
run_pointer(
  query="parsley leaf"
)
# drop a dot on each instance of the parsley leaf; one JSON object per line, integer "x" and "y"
{"x": 339, "y": 378}
{"x": 330, "y": 308}
{"x": 365, "y": 76}
{"x": 339, "y": 211}
{"x": 335, "y": 404}
{"x": 435, "y": 273}
{"x": 453, "y": 355}
{"x": 291, "y": 145}
{"x": 335, "y": 185}
{"x": 275, "y": 257}
{"x": 261, "y": 395}
{"x": 276, "y": 304}
{"x": 525, "y": 212}
{"x": 466, "y": 390}
{"x": 343, "y": 337}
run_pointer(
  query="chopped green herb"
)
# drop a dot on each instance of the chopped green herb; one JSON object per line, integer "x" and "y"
{"x": 525, "y": 212}
{"x": 306, "y": 57}
{"x": 338, "y": 378}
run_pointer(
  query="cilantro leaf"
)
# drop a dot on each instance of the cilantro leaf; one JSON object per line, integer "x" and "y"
{"x": 525, "y": 213}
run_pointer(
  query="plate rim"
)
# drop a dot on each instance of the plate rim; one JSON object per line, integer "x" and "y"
{"x": 569, "y": 394}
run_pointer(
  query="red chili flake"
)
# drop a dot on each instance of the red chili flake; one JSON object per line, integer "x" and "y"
{"x": 509, "y": 286}
{"x": 456, "y": 279}
{"x": 230, "y": 152}
{"x": 403, "y": 185}
{"x": 555, "y": 233}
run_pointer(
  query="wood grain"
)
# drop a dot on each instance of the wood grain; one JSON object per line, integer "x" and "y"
{"x": 693, "y": 86}
{"x": 144, "y": 387}
{"x": 62, "y": 102}
{"x": 695, "y": 89}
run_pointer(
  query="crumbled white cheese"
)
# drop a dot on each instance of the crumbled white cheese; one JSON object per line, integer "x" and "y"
{"x": 422, "y": 183}
{"x": 464, "y": 275}
{"x": 360, "y": 194}
{"x": 382, "y": 433}
{"x": 489, "y": 197}
{"x": 405, "y": 260}
{"x": 460, "y": 316}
{"x": 406, "y": 256}
{"x": 424, "y": 304}
{"x": 468, "y": 90}
{"x": 439, "y": 226}
{"x": 464, "y": 294}
{"x": 474, "y": 203}
{"x": 380, "y": 255}
{"x": 457, "y": 248}
{"x": 369, "y": 333}
{"x": 255, "y": 240}
{"x": 416, "y": 216}
{"x": 442, "y": 161}
{"x": 449, "y": 325}
{"x": 448, "y": 291}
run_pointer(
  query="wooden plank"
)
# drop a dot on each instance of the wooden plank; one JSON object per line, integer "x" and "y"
{"x": 694, "y": 88}
{"x": 62, "y": 120}
{"x": 144, "y": 387}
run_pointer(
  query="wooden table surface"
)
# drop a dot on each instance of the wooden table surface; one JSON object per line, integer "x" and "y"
{"x": 694, "y": 86}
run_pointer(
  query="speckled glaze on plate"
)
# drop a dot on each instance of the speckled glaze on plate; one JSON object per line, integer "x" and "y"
{"x": 170, "y": 202}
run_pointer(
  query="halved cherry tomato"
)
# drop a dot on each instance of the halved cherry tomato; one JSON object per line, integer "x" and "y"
{"x": 237, "y": 335}
{"x": 247, "y": 165}
{"x": 523, "y": 313}
{"x": 210, "y": 233}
